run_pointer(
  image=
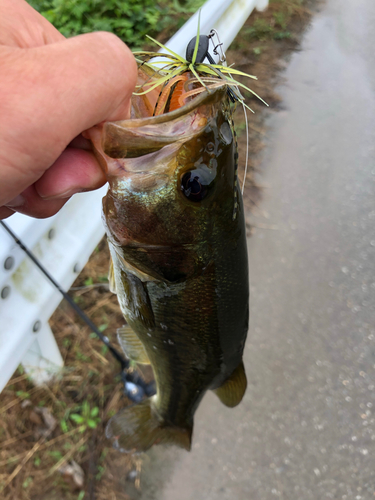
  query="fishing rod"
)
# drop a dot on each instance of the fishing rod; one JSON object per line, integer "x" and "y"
{"x": 135, "y": 387}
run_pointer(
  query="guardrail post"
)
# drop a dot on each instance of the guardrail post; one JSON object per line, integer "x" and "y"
{"x": 261, "y": 5}
{"x": 43, "y": 358}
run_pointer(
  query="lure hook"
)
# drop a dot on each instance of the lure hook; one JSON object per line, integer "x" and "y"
{"x": 219, "y": 45}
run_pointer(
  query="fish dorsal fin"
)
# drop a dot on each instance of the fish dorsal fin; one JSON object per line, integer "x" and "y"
{"x": 131, "y": 345}
{"x": 111, "y": 278}
{"x": 233, "y": 389}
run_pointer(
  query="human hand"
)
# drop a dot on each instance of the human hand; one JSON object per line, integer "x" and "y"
{"x": 51, "y": 90}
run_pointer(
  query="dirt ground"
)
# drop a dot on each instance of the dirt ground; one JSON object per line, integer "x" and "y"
{"x": 52, "y": 443}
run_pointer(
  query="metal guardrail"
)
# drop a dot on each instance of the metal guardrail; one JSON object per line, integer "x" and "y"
{"x": 225, "y": 16}
{"x": 64, "y": 242}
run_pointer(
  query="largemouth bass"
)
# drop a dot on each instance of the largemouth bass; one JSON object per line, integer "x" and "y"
{"x": 176, "y": 232}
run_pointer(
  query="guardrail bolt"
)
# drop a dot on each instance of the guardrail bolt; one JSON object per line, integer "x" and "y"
{"x": 37, "y": 326}
{"x": 5, "y": 292}
{"x": 51, "y": 234}
{"x": 76, "y": 268}
{"x": 9, "y": 263}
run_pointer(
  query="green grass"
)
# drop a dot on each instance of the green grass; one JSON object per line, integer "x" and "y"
{"x": 131, "y": 20}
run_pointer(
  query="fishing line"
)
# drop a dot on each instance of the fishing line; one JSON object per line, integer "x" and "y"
{"x": 135, "y": 387}
{"x": 247, "y": 147}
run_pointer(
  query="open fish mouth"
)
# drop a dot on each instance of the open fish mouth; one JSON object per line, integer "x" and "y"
{"x": 148, "y": 144}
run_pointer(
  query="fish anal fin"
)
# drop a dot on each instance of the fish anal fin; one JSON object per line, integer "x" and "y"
{"x": 176, "y": 436}
{"x": 131, "y": 345}
{"x": 136, "y": 428}
{"x": 233, "y": 389}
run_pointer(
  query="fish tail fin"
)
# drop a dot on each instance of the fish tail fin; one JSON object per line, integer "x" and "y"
{"x": 137, "y": 427}
{"x": 233, "y": 389}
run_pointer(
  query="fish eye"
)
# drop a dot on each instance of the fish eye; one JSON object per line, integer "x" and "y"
{"x": 210, "y": 147}
{"x": 195, "y": 184}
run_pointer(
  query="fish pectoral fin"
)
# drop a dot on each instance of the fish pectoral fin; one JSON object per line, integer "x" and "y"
{"x": 131, "y": 345}
{"x": 136, "y": 428}
{"x": 138, "y": 305}
{"x": 111, "y": 278}
{"x": 233, "y": 389}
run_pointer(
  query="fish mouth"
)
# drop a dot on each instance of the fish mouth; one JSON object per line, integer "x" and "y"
{"x": 139, "y": 136}
{"x": 121, "y": 146}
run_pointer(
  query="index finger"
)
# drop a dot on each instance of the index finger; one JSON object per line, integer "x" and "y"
{"x": 53, "y": 93}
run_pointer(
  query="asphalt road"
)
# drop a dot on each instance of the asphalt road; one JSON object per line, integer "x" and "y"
{"x": 306, "y": 428}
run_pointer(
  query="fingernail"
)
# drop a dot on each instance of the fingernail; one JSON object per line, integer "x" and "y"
{"x": 16, "y": 202}
{"x": 60, "y": 196}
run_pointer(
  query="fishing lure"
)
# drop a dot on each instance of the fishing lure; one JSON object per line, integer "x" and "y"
{"x": 173, "y": 74}
{"x": 172, "y": 65}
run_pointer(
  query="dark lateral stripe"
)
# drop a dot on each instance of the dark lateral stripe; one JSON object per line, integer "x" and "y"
{"x": 235, "y": 207}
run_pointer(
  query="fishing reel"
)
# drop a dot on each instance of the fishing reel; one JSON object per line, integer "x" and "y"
{"x": 135, "y": 388}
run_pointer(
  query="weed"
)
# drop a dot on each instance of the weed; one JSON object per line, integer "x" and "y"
{"x": 100, "y": 472}
{"x": 27, "y": 482}
{"x": 56, "y": 455}
{"x": 23, "y": 394}
{"x": 104, "y": 349}
{"x": 240, "y": 128}
{"x": 281, "y": 35}
{"x": 87, "y": 418}
{"x": 261, "y": 29}
{"x": 64, "y": 426}
{"x": 128, "y": 19}
{"x": 81, "y": 356}
{"x": 67, "y": 342}
{"x": 280, "y": 19}
{"x": 131, "y": 20}
{"x": 189, "y": 6}
{"x": 88, "y": 282}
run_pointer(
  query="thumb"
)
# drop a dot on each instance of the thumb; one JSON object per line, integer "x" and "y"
{"x": 54, "y": 92}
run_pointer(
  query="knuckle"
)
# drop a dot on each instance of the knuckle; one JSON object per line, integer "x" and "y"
{"x": 116, "y": 53}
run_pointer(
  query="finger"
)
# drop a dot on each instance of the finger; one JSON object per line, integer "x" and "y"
{"x": 74, "y": 171}
{"x": 22, "y": 26}
{"x": 5, "y": 212}
{"x": 70, "y": 86}
{"x": 30, "y": 203}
